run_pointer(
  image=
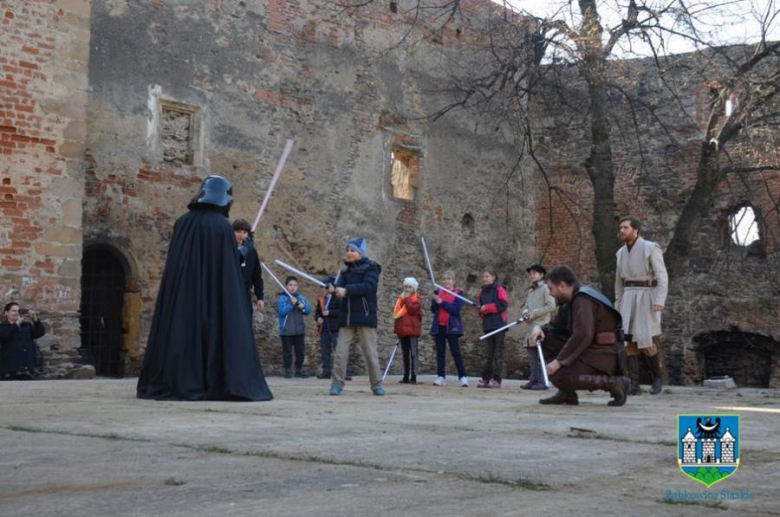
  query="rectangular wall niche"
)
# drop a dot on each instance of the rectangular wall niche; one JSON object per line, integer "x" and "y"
{"x": 405, "y": 173}
{"x": 179, "y": 128}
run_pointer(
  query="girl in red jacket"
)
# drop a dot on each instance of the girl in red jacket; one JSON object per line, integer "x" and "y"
{"x": 408, "y": 327}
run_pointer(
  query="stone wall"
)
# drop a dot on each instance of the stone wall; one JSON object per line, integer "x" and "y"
{"x": 725, "y": 287}
{"x": 181, "y": 89}
{"x": 44, "y": 58}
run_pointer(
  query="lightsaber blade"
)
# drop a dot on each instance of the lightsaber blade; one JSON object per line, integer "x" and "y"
{"x": 300, "y": 273}
{"x": 278, "y": 172}
{"x": 505, "y": 327}
{"x": 390, "y": 361}
{"x": 456, "y": 295}
{"x": 544, "y": 365}
{"x": 270, "y": 273}
{"x": 428, "y": 260}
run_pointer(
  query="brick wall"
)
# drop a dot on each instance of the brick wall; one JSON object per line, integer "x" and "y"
{"x": 43, "y": 82}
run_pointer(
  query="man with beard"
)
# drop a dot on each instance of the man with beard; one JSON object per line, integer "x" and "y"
{"x": 201, "y": 346}
{"x": 641, "y": 285}
{"x": 589, "y": 359}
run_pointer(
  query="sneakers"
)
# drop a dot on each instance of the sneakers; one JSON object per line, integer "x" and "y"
{"x": 483, "y": 383}
{"x": 538, "y": 385}
{"x": 494, "y": 384}
{"x": 528, "y": 385}
{"x": 439, "y": 381}
{"x": 379, "y": 391}
{"x": 464, "y": 382}
{"x": 336, "y": 390}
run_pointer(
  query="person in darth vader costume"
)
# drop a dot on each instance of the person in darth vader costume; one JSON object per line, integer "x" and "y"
{"x": 201, "y": 345}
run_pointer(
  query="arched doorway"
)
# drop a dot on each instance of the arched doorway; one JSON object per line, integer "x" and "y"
{"x": 102, "y": 298}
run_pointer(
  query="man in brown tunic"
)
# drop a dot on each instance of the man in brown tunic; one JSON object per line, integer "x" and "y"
{"x": 589, "y": 359}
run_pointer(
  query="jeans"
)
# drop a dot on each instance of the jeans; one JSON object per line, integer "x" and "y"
{"x": 411, "y": 360}
{"x": 288, "y": 344}
{"x": 328, "y": 341}
{"x": 494, "y": 359}
{"x": 441, "y": 353}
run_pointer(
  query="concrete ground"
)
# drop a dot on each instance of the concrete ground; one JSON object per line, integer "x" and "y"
{"x": 91, "y": 448}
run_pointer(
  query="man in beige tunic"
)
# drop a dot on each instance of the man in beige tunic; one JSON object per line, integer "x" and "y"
{"x": 641, "y": 285}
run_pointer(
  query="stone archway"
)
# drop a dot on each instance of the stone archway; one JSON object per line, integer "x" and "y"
{"x": 750, "y": 359}
{"x": 109, "y": 311}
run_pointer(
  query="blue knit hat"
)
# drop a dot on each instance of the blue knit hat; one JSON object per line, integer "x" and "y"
{"x": 360, "y": 245}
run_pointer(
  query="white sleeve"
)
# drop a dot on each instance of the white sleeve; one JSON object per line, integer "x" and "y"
{"x": 661, "y": 276}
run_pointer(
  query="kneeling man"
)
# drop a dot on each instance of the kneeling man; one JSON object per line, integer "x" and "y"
{"x": 589, "y": 358}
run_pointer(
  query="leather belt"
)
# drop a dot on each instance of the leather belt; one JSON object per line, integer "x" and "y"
{"x": 606, "y": 338}
{"x": 640, "y": 283}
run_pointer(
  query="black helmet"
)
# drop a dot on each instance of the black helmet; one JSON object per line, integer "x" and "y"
{"x": 215, "y": 191}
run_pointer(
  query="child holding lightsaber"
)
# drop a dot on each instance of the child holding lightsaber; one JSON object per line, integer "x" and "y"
{"x": 492, "y": 302}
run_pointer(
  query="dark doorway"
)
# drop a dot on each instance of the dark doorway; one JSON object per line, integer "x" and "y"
{"x": 745, "y": 357}
{"x": 102, "y": 296}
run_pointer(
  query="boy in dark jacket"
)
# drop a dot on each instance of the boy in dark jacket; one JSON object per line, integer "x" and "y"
{"x": 292, "y": 327}
{"x": 408, "y": 327}
{"x": 327, "y": 316}
{"x": 356, "y": 289}
{"x": 447, "y": 327}
{"x": 493, "y": 301}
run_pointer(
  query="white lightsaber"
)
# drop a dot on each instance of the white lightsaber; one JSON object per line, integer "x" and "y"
{"x": 300, "y": 273}
{"x": 456, "y": 295}
{"x": 505, "y": 327}
{"x": 285, "y": 154}
{"x": 428, "y": 260}
{"x": 390, "y": 361}
{"x": 544, "y": 366}
{"x": 270, "y": 273}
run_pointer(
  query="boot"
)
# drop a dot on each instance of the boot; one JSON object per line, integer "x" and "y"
{"x": 616, "y": 386}
{"x": 656, "y": 372}
{"x": 633, "y": 373}
{"x": 288, "y": 373}
{"x": 405, "y": 379}
{"x": 619, "y": 390}
{"x": 413, "y": 379}
{"x": 568, "y": 398}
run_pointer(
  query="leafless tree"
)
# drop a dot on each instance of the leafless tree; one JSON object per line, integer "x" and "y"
{"x": 529, "y": 59}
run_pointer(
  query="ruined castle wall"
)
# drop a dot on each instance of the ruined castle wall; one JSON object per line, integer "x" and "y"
{"x": 182, "y": 89}
{"x": 44, "y": 57}
{"x": 724, "y": 287}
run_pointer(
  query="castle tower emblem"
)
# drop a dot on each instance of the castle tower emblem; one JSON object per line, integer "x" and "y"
{"x": 708, "y": 446}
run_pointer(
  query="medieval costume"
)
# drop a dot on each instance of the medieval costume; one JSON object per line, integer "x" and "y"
{"x": 641, "y": 282}
{"x": 201, "y": 345}
{"x": 589, "y": 357}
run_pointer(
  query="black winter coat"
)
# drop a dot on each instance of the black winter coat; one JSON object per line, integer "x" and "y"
{"x": 18, "y": 351}
{"x": 359, "y": 308}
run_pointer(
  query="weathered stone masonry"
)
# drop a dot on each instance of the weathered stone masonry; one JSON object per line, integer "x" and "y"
{"x": 44, "y": 58}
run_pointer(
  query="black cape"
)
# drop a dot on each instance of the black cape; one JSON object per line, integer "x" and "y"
{"x": 201, "y": 345}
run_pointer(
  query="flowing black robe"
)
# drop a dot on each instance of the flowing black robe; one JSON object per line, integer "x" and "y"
{"x": 201, "y": 345}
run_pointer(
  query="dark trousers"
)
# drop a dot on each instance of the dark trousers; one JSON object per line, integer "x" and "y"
{"x": 411, "y": 359}
{"x": 441, "y": 353}
{"x": 494, "y": 359}
{"x": 328, "y": 341}
{"x": 290, "y": 343}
